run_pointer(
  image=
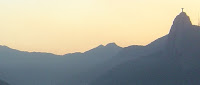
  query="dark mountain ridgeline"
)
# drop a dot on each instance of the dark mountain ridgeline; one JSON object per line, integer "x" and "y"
{"x": 170, "y": 60}
{"x": 75, "y": 68}
{"x": 34, "y": 68}
{"x": 126, "y": 54}
{"x": 183, "y": 37}
{"x": 176, "y": 64}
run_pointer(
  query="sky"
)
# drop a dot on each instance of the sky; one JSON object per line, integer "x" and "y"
{"x": 68, "y": 26}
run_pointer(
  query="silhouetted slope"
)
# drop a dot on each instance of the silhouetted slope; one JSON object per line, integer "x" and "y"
{"x": 135, "y": 51}
{"x": 184, "y": 45}
{"x": 94, "y": 56}
{"x": 177, "y": 64}
{"x": 126, "y": 54}
{"x": 9, "y": 52}
{"x": 183, "y": 37}
{"x": 102, "y": 52}
{"x": 34, "y": 68}
{"x": 91, "y": 59}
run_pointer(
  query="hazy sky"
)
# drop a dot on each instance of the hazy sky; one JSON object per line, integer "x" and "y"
{"x": 67, "y": 26}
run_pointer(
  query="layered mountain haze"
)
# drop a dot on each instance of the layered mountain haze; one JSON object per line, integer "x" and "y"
{"x": 176, "y": 64}
{"x": 126, "y": 54}
{"x": 170, "y": 60}
{"x": 25, "y": 68}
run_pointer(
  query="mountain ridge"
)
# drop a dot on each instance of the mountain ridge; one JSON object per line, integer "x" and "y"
{"x": 170, "y": 60}
{"x": 47, "y": 67}
{"x": 176, "y": 64}
{"x": 6, "y": 48}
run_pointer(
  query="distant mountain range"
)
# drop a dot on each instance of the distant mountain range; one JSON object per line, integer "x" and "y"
{"x": 170, "y": 60}
{"x": 34, "y": 68}
{"x": 125, "y": 55}
{"x": 177, "y": 63}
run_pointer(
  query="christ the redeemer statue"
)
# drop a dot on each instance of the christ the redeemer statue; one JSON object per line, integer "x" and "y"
{"x": 182, "y": 9}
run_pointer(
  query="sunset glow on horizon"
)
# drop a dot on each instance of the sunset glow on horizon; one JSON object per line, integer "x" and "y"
{"x": 68, "y": 26}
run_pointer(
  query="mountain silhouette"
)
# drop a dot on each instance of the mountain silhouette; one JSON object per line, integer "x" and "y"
{"x": 126, "y": 54}
{"x": 170, "y": 60}
{"x": 110, "y": 48}
{"x": 89, "y": 60}
{"x": 183, "y": 37}
{"x": 177, "y": 63}
{"x": 35, "y": 68}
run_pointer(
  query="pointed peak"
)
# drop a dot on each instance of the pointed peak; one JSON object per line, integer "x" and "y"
{"x": 112, "y": 44}
{"x": 100, "y": 46}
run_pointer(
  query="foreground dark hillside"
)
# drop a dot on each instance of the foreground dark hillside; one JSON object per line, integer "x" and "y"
{"x": 3, "y": 83}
